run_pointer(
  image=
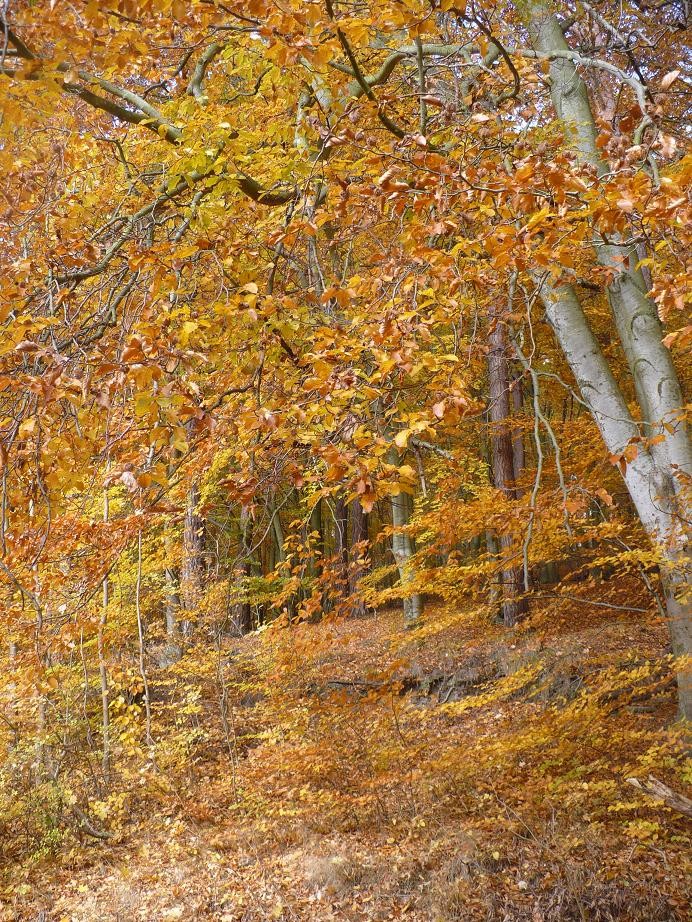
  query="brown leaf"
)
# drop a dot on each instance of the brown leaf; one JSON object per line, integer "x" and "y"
{"x": 669, "y": 79}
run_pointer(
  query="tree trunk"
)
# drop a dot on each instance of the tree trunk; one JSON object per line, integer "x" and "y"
{"x": 650, "y": 492}
{"x": 193, "y": 549}
{"x": 402, "y": 548}
{"x": 279, "y": 538}
{"x": 314, "y": 527}
{"x": 656, "y": 381}
{"x": 171, "y": 578}
{"x": 103, "y": 670}
{"x": 358, "y": 567}
{"x": 242, "y": 610}
{"x": 173, "y": 603}
{"x": 502, "y": 450}
{"x": 518, "y": 454}
{"x": 502, "y": 461}
{"x": 341, "y": 540}
{"x": 172, "y": 587}
{"x": 314, "y": 550}
{"x": 654, "y": 477}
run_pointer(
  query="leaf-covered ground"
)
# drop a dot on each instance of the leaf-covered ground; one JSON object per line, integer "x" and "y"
{"x": 346, "y": 770}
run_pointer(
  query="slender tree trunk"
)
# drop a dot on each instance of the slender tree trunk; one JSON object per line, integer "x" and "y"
{"x": 103, "y": 671}
{"x": 193, "y": 550}
{"x": 171, "y": 578}
{"x": 173, "y": 604}
{"x": 268, "y": 553}
{"x": 502, "y": 462}
{"x": 518, "y": 454}
{"x": 314, "y": 550}
{"x": 140, "y": 637}
{"x": 492, "y": 546}
{"x": 278, "y": 535}
{"x": 44, "y": 760}
{"x": 242, "y": 614}
{"x": 402, "y": 548}
{"x": 172, "y": 587}
{"x": 315, "y": 528}
{"x": 341, "y": 540}
{"x": 12, "y": 694}
{"x": 358, "y": 567}
{"x": 502, "y": 451}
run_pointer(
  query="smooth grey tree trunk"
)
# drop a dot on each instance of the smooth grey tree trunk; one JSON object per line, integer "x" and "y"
{"x": 656, "y": 381}
{"x": 654, "y": 477}
{"x": 402, "y": 548}
{"x": 193, "y": 550}
{"x": 649, "y": 490}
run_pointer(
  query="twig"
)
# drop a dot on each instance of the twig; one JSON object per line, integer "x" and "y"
{"x": 86, "y": 824}
{"x": 576, "y": 598}
{"x": 421, "y": 86}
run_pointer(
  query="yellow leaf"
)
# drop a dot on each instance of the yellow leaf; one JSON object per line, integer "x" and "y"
{"x": 142, "y": 404}
{"x": 27, "y": 427}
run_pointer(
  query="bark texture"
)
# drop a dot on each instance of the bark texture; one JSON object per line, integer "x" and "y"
{"x": 402, "y": 548}
{"x": 358, "y": 549}
{"x": 193, "y": 551}
{"x": 502, "y": 452}
{"x": 656, "y": 477}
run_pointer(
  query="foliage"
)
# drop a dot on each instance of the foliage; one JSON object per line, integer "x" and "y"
{"x": 288, "y": 345}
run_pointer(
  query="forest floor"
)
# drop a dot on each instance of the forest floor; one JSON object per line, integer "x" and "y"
{"x": 350, "y": 771}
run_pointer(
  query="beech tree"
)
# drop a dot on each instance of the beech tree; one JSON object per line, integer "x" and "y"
{"x": 390, "y": 298}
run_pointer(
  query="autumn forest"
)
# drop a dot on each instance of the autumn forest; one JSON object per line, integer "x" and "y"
{"x": 345, "y": 472}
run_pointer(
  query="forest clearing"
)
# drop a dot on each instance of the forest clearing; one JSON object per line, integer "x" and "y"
{"x": 345, "y": 467}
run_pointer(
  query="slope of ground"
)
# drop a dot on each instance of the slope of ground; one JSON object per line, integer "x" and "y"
{"x": 350, "y": 771}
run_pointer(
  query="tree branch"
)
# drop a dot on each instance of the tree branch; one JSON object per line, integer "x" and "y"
{"x": 566, "y": 54}
{"x": 22, "y": 50}
{"x": 195, "y": 86}
{"x": 390, "y": 62}
{"x": 360, "y": 78}
{"x": 145, "y": 115}
{"x": 655, "y": 788}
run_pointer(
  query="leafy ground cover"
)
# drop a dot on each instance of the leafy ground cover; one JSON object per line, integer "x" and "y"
{"x": 355, "y": 773}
